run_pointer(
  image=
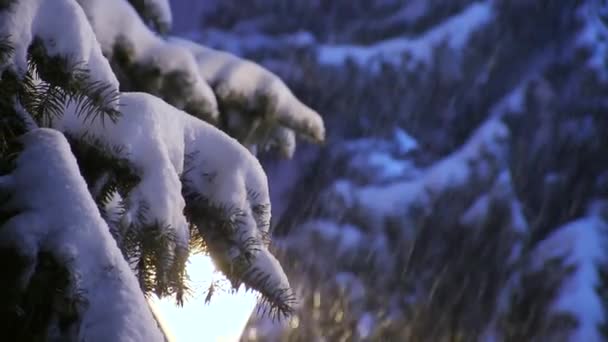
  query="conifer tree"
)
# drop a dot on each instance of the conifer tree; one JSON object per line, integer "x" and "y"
{"x": 114, "y": 167}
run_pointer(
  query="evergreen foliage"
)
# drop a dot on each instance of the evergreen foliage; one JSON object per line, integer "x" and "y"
{"x": 48, "y": 304}
{"x": 153, "y": 14}
{"x": 545, "y": 83}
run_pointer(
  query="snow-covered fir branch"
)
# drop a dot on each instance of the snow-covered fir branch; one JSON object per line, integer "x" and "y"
{"x": 105, "y": 192}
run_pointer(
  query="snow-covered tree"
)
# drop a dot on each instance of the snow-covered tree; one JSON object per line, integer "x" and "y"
{"x": 449, "y": 240}
{"x": 115, "y": 165}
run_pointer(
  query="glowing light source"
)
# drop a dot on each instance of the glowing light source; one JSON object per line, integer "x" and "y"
{"x": 222, "y": 320}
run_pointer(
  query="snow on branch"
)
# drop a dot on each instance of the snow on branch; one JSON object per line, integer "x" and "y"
{"x": 224, "y": 188}
{"x": 144, "y": 61}
{"x": 72, "y": 37}
{"x": 152, "y": 228}
{"x": 257, "y": 107}
{"x": 57, "y": 215}
{"x": 49, "y": 61}
{"x": 455, "y": 31}
{"x": 253, "y": 91}
{"x": 593, "y": 35}
{"x": 582, "y": 244}
{"x": 475, "y": 163}
{"x": 158, "y": 174}
{"x": 231, "y": 210}
{"x": 157, "y": 13}
{"x": 284, "y": 140}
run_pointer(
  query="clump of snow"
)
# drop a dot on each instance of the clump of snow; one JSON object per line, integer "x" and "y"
{"x": 503, "y": 194}
{"x": 153, "y": 142}
{"x": 118, "y": 26}
{"x": 265, "y": 261}
{"x": 167, "y": 147}
{"x": 160, "y": 10}
{"x": 455, "y": 31}
{"x": 405, "y": 191}
{"x": 348, "y": 237}
{"x": 379, "y": 160}
{"x": 383, "y": 166}
{"x": 175, "y": 152}
{"x": 113, "y": 20}
{"x": 405, "y": 142}
{"x": 594, "y": 35}
{"x": 513, "y": 102}
{"x": 224, "y": 173}
{"x": 248, "y": 87}
{"x": 164, "y": 10}
{"x": 582, "y": 243}
{"x": 377, "y": 202}
{"x": 477, "y": 161}
{"x": 60, "y": 216}
{"x": 233, "y": 171}
{"x": 71, "y": 37}
{"x": 485, "y": 150}
{"x": 284, "y": 139}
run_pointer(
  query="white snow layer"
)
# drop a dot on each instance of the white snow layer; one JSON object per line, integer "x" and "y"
{"x": 161, "y": 8}
{"x": 383, "y": 166}
{"x": 240, "y": 43}
{"x": 502, "y": 195}
{"x": 473, "y": 161}
{"x": 346, "y": 236}
{"x": 405, "y": 142}
{"x": 380, "y": 160}
{"x": 455, "y": 31}
{"x": 232, "y": 170}
{"x": 117, "y": 24}
{"x": 484, "y": 148}
{"x": 285, "y": 140}
{"x": 71, "y": 37}
{"x": 250, "y": 87}
{"x": 61, "y": 217}
{"x": 153, "y": 142}
{"x": 156, "y": 138}
{"x": 582, "y": 243}
{"x": 594, "y": 34}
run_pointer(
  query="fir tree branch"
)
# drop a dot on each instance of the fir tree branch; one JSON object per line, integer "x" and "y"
{"x": 65, "y": 82}
{"x": 6, "y": 48}
{"x": 222, "y": 229}
{"x": 152, "y": 15}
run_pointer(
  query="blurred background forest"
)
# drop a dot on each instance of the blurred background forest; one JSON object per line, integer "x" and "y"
{"x": 461, "y": 193}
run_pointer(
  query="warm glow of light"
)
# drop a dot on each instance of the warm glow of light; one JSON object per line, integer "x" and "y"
{"x": 222, "y": 320}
